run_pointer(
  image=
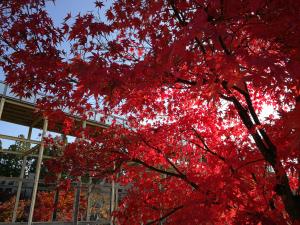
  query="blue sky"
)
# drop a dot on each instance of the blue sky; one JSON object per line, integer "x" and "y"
{"x": 61, "y": 8}
{"x": 57, "y": 11}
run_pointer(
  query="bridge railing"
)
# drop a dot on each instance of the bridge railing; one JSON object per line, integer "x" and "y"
{"x": 95, "y": 117}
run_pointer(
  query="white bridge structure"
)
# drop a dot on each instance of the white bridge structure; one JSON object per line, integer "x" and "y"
{"x": 22, "y": 111}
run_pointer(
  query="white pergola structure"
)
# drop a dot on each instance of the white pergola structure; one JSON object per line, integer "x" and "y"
{"x": 21, "y": 111}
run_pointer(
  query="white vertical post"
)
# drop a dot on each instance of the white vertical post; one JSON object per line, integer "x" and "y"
{"x": 56, "y": 195}
{"x": 76, "y": 202}
{"x": 37, "y": 172}
{"x": 117, "y": 196}
{"x": 1, "y": 106}
{"x": 112, "y": 200}
{"x": 56, "y": 198}
{"x": 88, "y": 212}
{"x": 21, "y": 177}
{"x": 77, "y": 192}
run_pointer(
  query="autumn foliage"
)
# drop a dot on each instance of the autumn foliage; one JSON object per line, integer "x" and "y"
{"x": 193, "y": 80}
{"x": 6, "y": 209}
{"x": 44, "y": 207}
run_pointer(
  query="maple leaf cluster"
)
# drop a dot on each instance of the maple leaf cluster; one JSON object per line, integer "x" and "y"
{"x": 192, "y": 79}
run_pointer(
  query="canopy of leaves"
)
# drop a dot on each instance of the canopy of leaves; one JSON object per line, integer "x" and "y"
{"x": 192, "y": 79}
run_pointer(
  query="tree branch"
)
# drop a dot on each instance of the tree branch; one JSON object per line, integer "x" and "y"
{"x": 182, "y": 21}
{"x": 223, "y": 45}
{"x": 269, "y": 153}
{"x": 183, "y": 81}
{"x": 166, "y": 215}
{"x": 207, "y": 149}
{"x": 248, "y": 163}
{"x": 179, "y": 174}
{"x": 167, "y": 159}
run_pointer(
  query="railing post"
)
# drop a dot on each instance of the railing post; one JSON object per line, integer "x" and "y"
{"x": 77, "y": 193}
{"x": 37, "y": 172}
{"x": 88, "y": 212}
{"x": 112, "y": 200}
{"x": 1, "y": 106}
{"x": 77, "y": 202}
{"x": 56, "y": 195}
{"x": 117, "y": 196}
{"x": 56, "y": 198}
{"x": 21, "y": 178}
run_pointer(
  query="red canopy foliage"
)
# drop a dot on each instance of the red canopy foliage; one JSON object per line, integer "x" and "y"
{"x": 192, "y": 78}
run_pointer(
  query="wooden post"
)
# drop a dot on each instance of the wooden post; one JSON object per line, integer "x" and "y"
{"x": 56, "y": 198}
{"x": 112, "y": 200}
{"x": 117, "y": 196}
{"x": 76, "y": 202}
{"x": 1, "y": 106}
{"x": 77, "y": 193}
{"x": 21, "y": 178}
{"x": 88, "y": 211}
{"x": 37, "y": 172}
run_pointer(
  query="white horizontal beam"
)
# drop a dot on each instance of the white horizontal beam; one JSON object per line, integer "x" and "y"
{"x": 22, "y": 154}
{"x": 8, "y": 137}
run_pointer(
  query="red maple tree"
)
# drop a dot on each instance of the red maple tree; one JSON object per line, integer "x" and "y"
{"x": 192, "y": 79}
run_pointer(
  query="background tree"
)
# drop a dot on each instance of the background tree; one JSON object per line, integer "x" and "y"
{"x": 10, "y": 164}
